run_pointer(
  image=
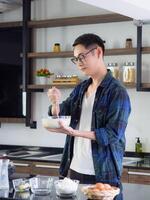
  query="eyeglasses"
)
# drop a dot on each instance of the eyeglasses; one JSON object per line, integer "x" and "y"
{"x": 81, "y": 58}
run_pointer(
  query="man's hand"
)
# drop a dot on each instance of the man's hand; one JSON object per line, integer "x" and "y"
{"x": 54, "y": 95}
{"x": 63, "y": 129}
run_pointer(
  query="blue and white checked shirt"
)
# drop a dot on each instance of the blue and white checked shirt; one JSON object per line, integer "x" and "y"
{"x": 110, "y": 114}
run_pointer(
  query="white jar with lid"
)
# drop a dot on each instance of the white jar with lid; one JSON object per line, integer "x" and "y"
{"x": 129, "y": 72}
{"x": 113, "y": 67}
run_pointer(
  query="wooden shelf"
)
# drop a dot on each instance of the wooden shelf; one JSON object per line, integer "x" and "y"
{"x": 146, "y": 85}
{"x": 129, "y": 85}
{"x": 15, "y": 24}
{"x": 63, "y": 54}
{"x": 68, "y": 85}
{"x": 94, "y": 19}
{"x": 67, "y": 54}
{"x": 62, "y": 85}
{"x": 12, "y": 120}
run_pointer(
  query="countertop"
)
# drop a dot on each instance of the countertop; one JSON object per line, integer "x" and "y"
{"x": 130, "y": 192}
{"x": 52, "y": 154}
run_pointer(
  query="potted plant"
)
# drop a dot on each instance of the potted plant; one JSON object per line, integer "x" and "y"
{"x": 43, "y": 75}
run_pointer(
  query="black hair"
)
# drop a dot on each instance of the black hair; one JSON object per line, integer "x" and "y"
{"x": 89, "y": 39}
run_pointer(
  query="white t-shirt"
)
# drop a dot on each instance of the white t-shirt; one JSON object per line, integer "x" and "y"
{"x": 82, "y": 161}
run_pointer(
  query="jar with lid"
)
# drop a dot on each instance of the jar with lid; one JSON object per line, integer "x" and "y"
{"x": 128, "y": 43}
{"x": 129, "y": 72}
{"x": 56, "y": 47}
{"x": 113, "y": 67}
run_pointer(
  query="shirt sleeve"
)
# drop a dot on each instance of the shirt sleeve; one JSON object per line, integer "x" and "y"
{"x": 116, "y": 119}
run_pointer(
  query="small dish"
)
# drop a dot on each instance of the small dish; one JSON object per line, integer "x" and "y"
{"x": 21, "y": 185}
{"x": 41, "y": 185}
{"x": 53, "y": 121}
{"x": 66, "y": 187}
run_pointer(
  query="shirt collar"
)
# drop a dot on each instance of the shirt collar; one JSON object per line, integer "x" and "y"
{"x": 107, "y": 79}
{"x": 105, "y": 82}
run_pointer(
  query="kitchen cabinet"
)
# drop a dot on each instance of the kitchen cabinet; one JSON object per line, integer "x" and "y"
{"x": 22, "y": 166}
{"x": 36, "y": 168}
{"x": 51, "y": 168}
{"x": 125, "y": 176}
{"x": 139, "y": 176}
{"x": 43, "y": 168}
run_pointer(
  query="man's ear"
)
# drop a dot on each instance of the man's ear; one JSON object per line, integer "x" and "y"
{"x": 99, "y": 52}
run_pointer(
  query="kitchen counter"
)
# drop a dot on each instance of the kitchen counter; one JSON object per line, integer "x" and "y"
{"x": 130, "y": 192}
{"x": 52, "y": 154}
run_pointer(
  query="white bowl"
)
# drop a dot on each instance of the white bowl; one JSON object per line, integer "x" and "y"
{"x": 66, "y": 187}
{"x": 53, "y": 121}
{"x": 41, "y": 185}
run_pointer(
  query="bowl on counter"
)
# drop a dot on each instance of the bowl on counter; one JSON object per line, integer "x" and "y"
{"x": 100, "y": 191}
{"x": 53, "y": 121}
{"x": 21, "y": 185}
{"x": 66, "y": 187}
{"x": 41, "y": 185}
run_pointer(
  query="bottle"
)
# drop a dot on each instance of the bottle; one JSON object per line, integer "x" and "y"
{"x": 138, "y": 146}
{"x": 4, "y": 181}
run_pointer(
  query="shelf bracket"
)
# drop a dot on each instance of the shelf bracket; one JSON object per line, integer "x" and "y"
{"x": 139, "y": 24}
{"x": 26, "y": 61}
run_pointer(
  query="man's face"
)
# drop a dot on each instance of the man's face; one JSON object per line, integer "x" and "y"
{"x": 86, "y": 59}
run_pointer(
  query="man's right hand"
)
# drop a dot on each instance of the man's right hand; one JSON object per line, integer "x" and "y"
{"x": 54, "y": 95}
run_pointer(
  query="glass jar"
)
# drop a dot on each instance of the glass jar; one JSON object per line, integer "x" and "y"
{"x": 128, "y": 43}
{"x": 113, "y": 67}
{"x": 56, "y": 47}
{"x": 129, "y": 72}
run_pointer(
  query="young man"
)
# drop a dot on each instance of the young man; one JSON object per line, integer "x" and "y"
{"x": 99, "y": 109}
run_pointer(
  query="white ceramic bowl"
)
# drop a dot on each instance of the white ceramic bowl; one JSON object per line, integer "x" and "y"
{"x": 41, "y": 185}
{"x": 66, "y": 187}
{"x": 53, "y": 121}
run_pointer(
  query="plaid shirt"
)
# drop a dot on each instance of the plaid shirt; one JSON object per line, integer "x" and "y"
{"x": 110, "y": 114}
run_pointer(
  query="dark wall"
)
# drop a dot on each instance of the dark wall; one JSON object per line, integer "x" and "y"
{"x": 10, "y": 46}
{"x": 10, "y": 73}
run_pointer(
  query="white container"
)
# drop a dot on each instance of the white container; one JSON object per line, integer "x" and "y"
{"x": 53, "y": 121}
{"x": 42, "y": 80}
{"x": 66, "y": 187}
{"x": 4, "y": 181}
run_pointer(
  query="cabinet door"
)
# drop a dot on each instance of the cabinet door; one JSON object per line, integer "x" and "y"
{"x": 139, "y": 176}
{"x": 22, "y": 166}
{"x": 125, "y": 177}
{"x": 50, "y": 169}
